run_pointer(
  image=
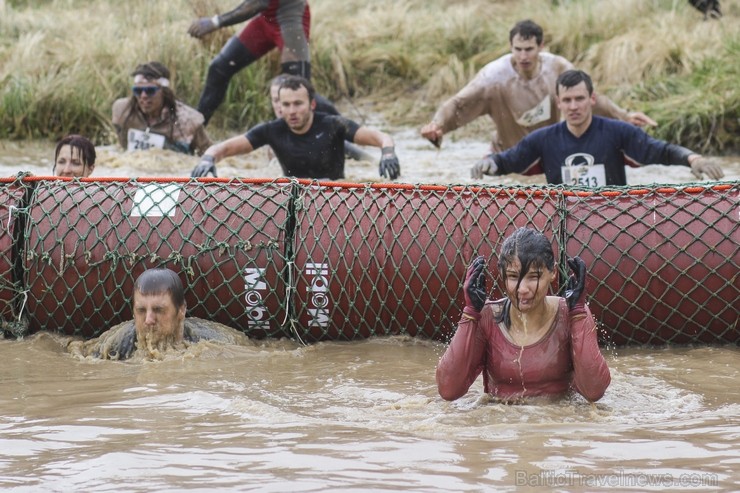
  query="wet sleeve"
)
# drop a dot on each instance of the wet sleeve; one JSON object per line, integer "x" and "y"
{"x": 245, "y": 10}
{"x": 524, "y": 158}
{"x": 117, "y": 120}
{"x": 348, "y": 127}
{"x": 675, "y": 154}
{"x": 295, "y": 44}
{"x": 117, "y": 343}
{"x": 640, "y": 148}
{"x": 463, "y": 107}
{"x": 197, "y": 330}
{"x": 462, "y": 362}
{"x": 591, "y": 374}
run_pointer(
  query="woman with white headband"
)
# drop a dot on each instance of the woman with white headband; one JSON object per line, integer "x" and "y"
{"x": 153, "y": 118}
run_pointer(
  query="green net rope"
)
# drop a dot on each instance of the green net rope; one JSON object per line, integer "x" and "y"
{"x": 327, "y": 261}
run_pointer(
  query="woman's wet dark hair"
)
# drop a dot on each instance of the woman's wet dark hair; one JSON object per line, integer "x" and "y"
{"x": 156, "y": 281}
{"x": 532, "y": 249}
{"x": 83, "y": 146}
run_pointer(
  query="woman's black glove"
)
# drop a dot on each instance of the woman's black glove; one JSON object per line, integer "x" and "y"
{"x": 475, "y": 288}
{"x": 575, "y": 288}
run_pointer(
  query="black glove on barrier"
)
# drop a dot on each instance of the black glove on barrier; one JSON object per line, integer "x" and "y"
{"x": 389, "y": 165}
{"x": 207, "y": 165}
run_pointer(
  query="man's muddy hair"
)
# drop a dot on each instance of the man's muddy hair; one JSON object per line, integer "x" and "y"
{"x": 571, "y": 78}
{"x": 526, "y": 29}
{"x": 158, "y": 281}
{"x": 295, "y": 82}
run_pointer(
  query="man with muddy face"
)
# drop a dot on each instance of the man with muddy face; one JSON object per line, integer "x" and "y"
{"x": 159, "y": 309}
{"x": 159, "y": 323}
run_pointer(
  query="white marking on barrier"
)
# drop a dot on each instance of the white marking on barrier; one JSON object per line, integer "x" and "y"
{"x": 10, "y": 215}
{"x": 154, "y": 200}
{"x": 254, "y": 284}
{"x": 291, "y": 287}
{"x": 318, "y": 289}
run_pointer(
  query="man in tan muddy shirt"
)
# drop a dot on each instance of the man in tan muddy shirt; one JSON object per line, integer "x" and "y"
{"x": 518, "y": 92}
{"x": 153, "y": 118}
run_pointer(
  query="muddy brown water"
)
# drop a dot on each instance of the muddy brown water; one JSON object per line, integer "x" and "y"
{"x": 363, "y": 416}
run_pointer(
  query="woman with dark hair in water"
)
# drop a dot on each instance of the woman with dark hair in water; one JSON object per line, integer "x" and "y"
{"x": 74, "y": 157}
{"x": 527, "y": 344}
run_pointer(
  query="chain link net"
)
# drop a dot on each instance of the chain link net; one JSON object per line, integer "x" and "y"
{"x": 327, "y": 261}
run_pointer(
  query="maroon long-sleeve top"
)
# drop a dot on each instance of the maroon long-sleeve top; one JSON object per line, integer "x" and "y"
{"x": 568, "y": 355}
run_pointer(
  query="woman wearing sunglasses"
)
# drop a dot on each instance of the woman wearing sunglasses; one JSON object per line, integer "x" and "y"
{"x": 153, "y": 118}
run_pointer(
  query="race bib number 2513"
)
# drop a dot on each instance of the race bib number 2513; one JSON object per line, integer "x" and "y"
{"x": 583, "y": 175}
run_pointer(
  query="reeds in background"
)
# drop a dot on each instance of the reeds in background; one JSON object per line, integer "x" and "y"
{"x": 63, "y": 62}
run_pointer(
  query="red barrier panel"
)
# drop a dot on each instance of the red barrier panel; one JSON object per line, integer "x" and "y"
{"x": 662, "y": 266}
{"x": 88, "y": 242}
{"x": 11, "y": 197}
{"x": 390, "y": 261}
{"x": 355, "y": 261}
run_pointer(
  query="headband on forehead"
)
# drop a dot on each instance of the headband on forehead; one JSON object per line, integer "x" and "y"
{"x": 141, "y": 79}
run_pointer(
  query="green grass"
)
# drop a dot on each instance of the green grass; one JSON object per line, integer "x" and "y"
{"x": 64, "y": 62}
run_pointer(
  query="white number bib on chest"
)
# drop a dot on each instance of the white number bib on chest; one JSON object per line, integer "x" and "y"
{"x": 538, "y": 114}
{"x": 140, "y": 141}
{"x": 583, "y": 175}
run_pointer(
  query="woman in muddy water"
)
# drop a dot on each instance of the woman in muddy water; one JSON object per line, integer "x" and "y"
{"x": 74, "y": 157}
{"x": 528, "y": 344}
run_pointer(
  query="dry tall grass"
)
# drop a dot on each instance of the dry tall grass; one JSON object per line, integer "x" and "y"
{"x": 63, "y": 62}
